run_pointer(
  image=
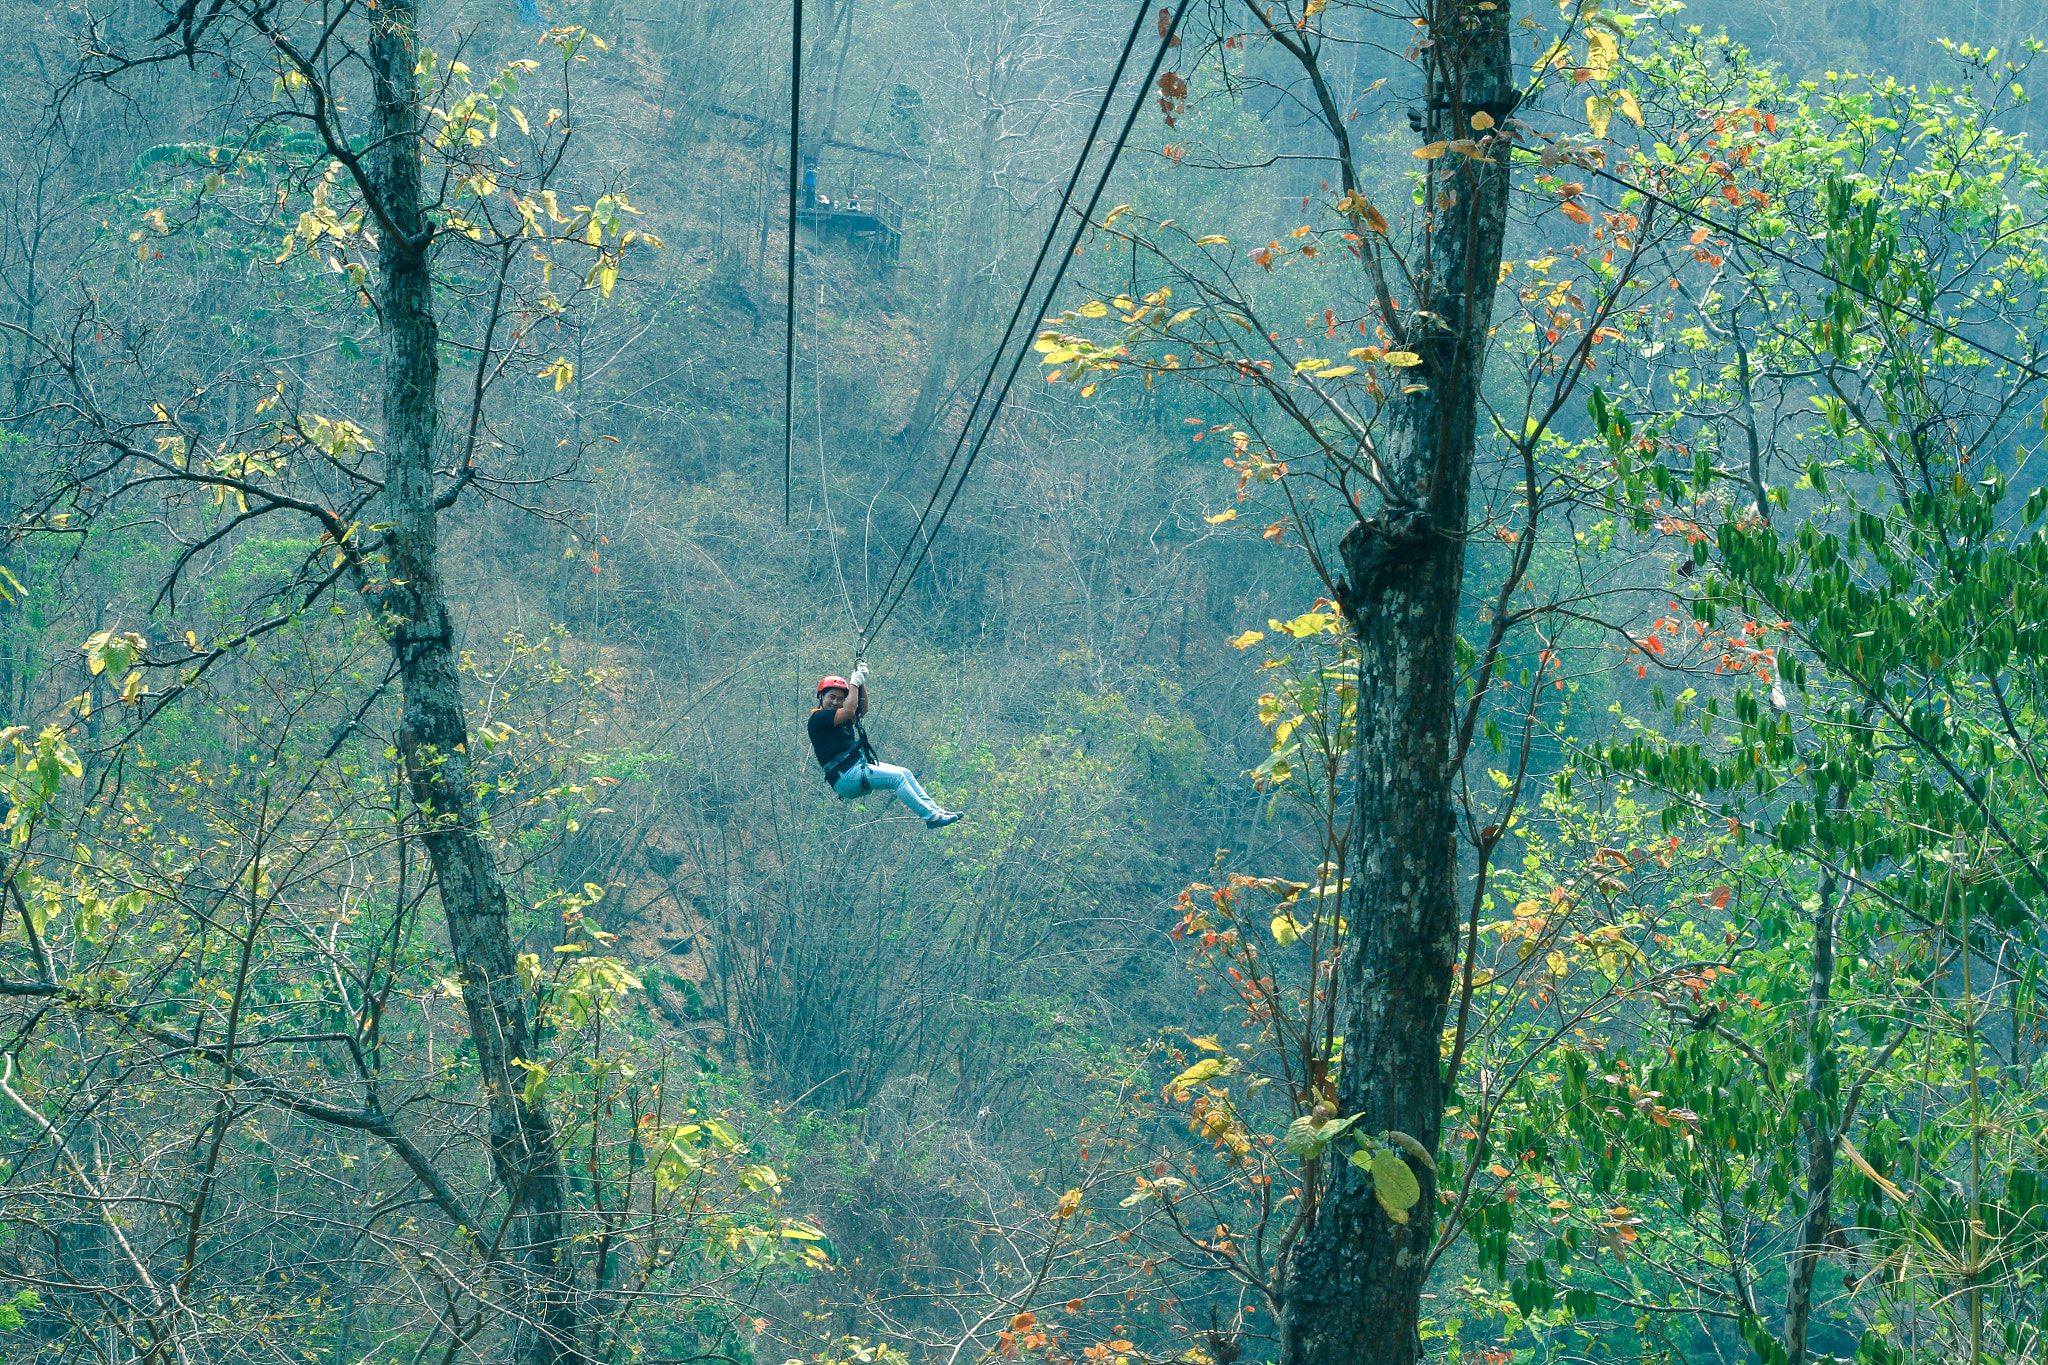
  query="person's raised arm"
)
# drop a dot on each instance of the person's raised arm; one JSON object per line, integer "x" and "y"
{"x": 856, "y": 703}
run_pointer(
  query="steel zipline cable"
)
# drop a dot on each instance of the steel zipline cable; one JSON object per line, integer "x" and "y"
{"x": 899, "y": 580}
{"x": 796, "y": 104}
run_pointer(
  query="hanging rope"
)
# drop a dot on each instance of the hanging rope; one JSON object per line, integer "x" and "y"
{"x": 796, "y": 102}
{"x": 887, "y": 607}
{"x": 1024, "y": 295}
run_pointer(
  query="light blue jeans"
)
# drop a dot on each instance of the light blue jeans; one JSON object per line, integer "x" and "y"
{"x": 899, "y": 782}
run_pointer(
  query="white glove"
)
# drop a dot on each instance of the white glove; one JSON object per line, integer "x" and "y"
{"x": 860, "y": 674}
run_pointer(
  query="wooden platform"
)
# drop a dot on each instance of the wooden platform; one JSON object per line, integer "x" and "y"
{"x": 877, "y": 224}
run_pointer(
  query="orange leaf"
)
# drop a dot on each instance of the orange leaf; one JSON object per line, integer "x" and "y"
{"x": 1575, "y": 213}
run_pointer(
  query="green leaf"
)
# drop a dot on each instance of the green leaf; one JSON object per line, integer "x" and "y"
{"x": 1302, "y": 1139}
{"x": 1307, "y": 1137}
{"x": 1393, "y": 1183}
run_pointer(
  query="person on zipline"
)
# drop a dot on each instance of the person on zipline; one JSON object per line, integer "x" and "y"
{"x": 849, "y": 761}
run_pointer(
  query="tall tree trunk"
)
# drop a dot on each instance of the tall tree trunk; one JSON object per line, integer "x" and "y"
{"x": 1354, "y": 1289}
{"x": 434, "y": 735}
{"x": 1817, "y": 1125}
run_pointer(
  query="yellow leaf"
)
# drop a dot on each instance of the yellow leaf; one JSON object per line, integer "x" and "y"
{"x": 1227, "y": 514}
{"x": 1248, "y": 639}
{"x": 1602, "y": 51}
{"x": 1212, "y": 240}
{"x": 1285, "y": 930}
{"x": 1337, "y": 373}
{"x": 1366, "y": 353}
{"x": 518, "y": 118}
{"x": 1556, "y": 56}
{"x": 1630, "y": 110}
{"x": 1432, "y": 151}
{"x": 1207, "y": 1042}
{"x": 1599, "y": 113}
{"x": 1205, "y": 1070}
{"x": 1404, "y": 359}
{"x": 1069, "y": 1203}
{"x": 1307, "y": 624}
{"x": 1482, "y": 120}
{"x": 1095, "y": 308}
{"x": 1119, "y": 211}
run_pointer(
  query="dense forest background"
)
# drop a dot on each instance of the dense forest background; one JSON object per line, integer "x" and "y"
{"x": 896, "y": 1053}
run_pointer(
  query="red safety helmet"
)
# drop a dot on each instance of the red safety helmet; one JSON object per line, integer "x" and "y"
{"x": 830, "y": 681}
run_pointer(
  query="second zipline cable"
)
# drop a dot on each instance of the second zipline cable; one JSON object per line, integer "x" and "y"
{"x": 1024, "y": 295}
{"x": 887, "y": 608}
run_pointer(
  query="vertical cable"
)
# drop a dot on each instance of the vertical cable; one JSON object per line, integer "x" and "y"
{"x": 796, "y": 97}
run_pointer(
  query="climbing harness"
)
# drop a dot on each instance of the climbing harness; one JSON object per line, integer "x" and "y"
{"x": 863, "y": 753}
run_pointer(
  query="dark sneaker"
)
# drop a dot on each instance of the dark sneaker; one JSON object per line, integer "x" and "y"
{"x": 943, "y": 819}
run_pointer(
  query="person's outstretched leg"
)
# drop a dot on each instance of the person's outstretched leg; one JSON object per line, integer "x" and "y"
{"x": 903, "y": 784}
